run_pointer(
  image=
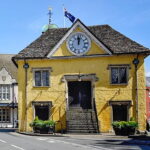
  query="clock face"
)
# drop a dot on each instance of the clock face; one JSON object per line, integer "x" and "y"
{"x": 78, "y": 43}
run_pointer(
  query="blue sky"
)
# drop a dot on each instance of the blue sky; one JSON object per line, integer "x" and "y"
{"x": 21, "y": 21}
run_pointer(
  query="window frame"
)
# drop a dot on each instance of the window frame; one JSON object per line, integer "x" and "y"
{"x": 41, "y": 70}
{"x": 8, "y": 91}
{"x": 110, "y": 67}
{"x": 5, "y": 115}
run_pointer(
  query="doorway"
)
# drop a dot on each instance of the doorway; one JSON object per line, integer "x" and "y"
{"x": 42, "y": 112}
{"x": 120, "y": 112}
{"x": 79, "y": 94}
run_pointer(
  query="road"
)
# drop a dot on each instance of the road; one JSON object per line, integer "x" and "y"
{"x": 15, "y": 141}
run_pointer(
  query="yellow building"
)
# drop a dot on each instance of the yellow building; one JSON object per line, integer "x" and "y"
{"x": 83, "y": 77}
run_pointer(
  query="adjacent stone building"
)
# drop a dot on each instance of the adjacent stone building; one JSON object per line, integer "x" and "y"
{"x": 8, "y": 92}
{"x": 83, "y": 77}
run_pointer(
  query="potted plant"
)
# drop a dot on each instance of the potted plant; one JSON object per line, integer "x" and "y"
{"x": 124, "y": 127}
{"x": 43, "y": 127}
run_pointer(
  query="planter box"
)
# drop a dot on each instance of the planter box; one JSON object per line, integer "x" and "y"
{"x": 44, "y": 130}
{"x": 124, "y": 131}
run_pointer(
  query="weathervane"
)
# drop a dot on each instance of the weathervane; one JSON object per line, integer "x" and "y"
{"x": 50, "y": 14}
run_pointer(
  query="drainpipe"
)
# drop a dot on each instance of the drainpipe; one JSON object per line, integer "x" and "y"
{"x": 13, "y": 103}
{"x": 26, "y": 66}
{"x": 136, "y": 62}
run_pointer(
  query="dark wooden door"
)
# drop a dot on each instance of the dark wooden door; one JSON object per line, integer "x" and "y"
{"x": 80, "y": 94}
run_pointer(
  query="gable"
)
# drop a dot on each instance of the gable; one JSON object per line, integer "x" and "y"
{"x": 96, "y": 47}
{"x": 5, "y": 77}
{"x": 63, "y": 49}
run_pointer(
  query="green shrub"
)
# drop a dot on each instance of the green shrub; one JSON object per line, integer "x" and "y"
{"x": 132, "y": 119}
{"x": 132, "y": 124}
{"x": 124, "y": 127}
{"x": 42, "y": 124}
{"x": 124, "y": 124}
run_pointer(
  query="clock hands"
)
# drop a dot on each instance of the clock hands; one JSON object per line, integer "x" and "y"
{"x": 78, "y": 38}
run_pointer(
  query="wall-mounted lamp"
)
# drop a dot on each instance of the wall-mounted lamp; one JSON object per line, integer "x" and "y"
{"x": 26, "y": 66}
{"x": 135, "y": 61}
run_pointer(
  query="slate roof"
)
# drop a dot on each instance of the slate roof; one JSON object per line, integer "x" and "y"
{"x": 147, "y": 81}
{"x": 116, "y": 42}
{"x": 5, "y": 61}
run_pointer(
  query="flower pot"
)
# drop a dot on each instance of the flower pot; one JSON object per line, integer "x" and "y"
{"x": 44, "y": 130}
{"x": 124, "y": 131}
{"x": 36, "y": 130}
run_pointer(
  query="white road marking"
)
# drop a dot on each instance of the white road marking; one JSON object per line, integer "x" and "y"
{"x": 79, "y": 145}
{"x": 51, "y": 141}
{"x": 17, "y": 147}
{"x": 3, "y": 141}
{"x": 42, "y": 139}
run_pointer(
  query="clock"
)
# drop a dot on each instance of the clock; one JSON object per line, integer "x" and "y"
{"x": 78, "y": 43}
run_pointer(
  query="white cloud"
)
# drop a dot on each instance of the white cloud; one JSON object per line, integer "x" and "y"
{"x": 147, "y": 74}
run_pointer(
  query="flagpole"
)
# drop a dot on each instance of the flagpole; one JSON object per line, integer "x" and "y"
{"x": 64, "y": 16}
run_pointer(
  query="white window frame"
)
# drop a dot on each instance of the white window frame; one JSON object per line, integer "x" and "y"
{"x": 41, "y": 70}
{"x": 8, "y": 91}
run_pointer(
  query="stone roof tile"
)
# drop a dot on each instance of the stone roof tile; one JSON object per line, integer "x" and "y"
{"x": 116, "y": 42}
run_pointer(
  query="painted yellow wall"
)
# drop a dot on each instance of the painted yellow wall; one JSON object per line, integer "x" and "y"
{"x": 103, "y": 90}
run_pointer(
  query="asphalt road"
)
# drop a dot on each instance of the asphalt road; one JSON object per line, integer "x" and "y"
{"x": 15, "y": 141}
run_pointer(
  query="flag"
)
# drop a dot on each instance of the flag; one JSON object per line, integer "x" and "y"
{"x": 69, "y": 16}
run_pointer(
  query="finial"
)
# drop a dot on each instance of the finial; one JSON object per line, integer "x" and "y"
{"x": 50, "y": 14}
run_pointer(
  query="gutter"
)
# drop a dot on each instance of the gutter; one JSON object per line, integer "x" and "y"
{"x": 84, "y": 56}
{"x": 13, "y": 60}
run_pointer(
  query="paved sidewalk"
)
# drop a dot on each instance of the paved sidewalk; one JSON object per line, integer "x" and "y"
{"x": 136, "y": 139}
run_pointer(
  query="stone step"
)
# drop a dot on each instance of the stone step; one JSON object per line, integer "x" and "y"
{"x": 80, "y": 110}
{"x": 82, "y": 131}
{"x": 86, "y": 117}
{"x": 80, "y": 122}
{"x": 81, "y": 126}
{"x": 80, "y": 113}
{"x": 81, "y": 117}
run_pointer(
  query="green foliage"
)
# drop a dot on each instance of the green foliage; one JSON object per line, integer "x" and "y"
{"x": 132, "y": 119}
{"x": 42, "y": 124}
{"x": 125, "y": 124}
{"x": 125, "y": 128}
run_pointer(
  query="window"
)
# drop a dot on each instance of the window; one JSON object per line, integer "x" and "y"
{"x": 4, "y": 115}
{"x": 41, "y": 77}
{"x": 4, "y": 92}
{"x": 120, "y": 112}
{"x": 118, "y": 75}
{"x": 42, "y": 112}
{"x": 148, "y": 94}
